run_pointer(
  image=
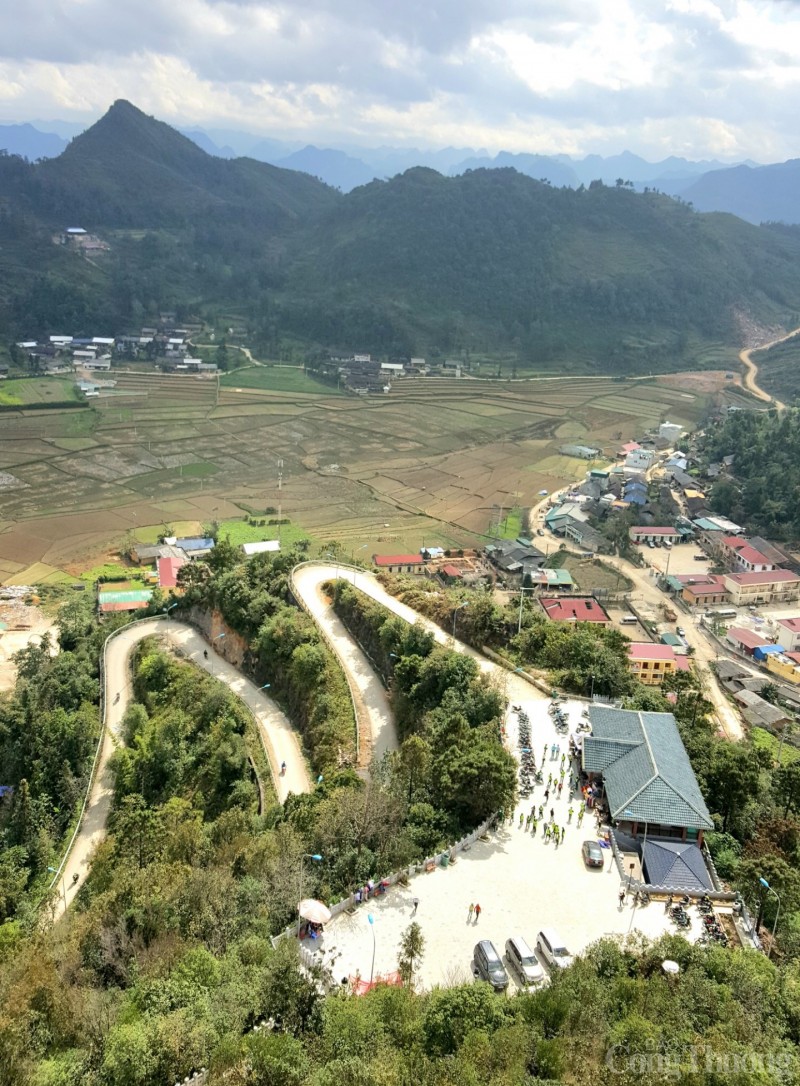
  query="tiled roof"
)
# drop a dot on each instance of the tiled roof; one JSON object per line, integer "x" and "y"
{"x": 645, "y": 650}
{"x": 768, "y": 577}
{"x": 571, "y": 609}
{"x": 397, "y": 559}
{"x": 651, "y": 780}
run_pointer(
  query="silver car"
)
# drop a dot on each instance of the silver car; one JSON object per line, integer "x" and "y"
{"x": 523, "y": 962}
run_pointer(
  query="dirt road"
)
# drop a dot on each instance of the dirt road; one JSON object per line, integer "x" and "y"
{"x": 279, "y": 738}
{"x": 751, "y": 369}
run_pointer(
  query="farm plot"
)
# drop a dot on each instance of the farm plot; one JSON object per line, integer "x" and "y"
{"x": 437, "y": 462}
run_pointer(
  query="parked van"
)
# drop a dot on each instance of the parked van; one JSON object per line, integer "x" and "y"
{"x": 523, "y": 961}
{"x": 668, "y": 544}
{"x": 489, "y": 966}
{"x": 552, "y": 948}
{"x": 629, "y": 620}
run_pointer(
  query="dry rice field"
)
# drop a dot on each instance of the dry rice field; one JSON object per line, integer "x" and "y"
{"x": 432, "y": 461}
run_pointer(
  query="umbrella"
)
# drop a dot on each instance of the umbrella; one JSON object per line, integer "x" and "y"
{"x": 314, "y": 911}
{"x": 670, "y": 967}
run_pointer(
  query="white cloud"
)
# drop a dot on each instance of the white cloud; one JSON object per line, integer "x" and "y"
{"x": 694, "y": 77}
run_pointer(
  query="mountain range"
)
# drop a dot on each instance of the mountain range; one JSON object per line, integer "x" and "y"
{"x": 599, "y": 278}
{"x": 754, "y": 193}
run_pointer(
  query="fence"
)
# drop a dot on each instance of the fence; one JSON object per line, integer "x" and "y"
{"x": 301, "y": 603}
{"x": 430, "y": 863}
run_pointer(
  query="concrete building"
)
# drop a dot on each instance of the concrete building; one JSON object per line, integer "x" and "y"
{"x": 399, "y": 563}
{"x": 769, "y": 587}
{"x": 699, "y": 589}
{"x": 643, "y": 533}
{"x": 785, "y": 665}
{"x": 787, "y": 634}
{"x": 742, "y": 556}
{"x": 651, "y": 663}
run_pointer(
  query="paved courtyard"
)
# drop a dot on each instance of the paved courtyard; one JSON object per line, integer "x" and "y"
{"x": 522, "y": 884}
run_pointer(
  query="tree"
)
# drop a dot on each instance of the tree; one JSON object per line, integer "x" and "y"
{"x": 786, "y": 782}
{"x": 732, "y": 779}
{"x": 412, "y": 948}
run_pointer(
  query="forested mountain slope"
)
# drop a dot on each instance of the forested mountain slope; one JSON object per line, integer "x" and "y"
{"x": 602, "y": 278}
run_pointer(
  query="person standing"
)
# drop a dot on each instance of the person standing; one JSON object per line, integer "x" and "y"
{"x": 477, "y": 913}
{"x": 415, "y": 903}
{"x": 471, "y": 911}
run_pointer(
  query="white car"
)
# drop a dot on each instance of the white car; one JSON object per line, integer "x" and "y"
{"x": 552, "y": 949}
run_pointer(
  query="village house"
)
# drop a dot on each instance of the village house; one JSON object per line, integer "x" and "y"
{"x": 741, "y": 556}
{"x": 399, "y": 563}
{"x": 787, "y": 634}
{"x": 574, "y": 609}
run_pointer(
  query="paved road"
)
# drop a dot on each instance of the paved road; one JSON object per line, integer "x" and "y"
{"x": 280, "y": 740}
{"x": 751, "y": 369}
{"x": 308, "y": 580}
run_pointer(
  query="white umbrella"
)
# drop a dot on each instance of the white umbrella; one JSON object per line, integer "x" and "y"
{"x": 314, "y": 911}
{"x": 670, "y": 967}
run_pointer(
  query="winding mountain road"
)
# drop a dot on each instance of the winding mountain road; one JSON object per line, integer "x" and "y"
{"x": 280, "y": 739}
{"x": 751, "y": 369}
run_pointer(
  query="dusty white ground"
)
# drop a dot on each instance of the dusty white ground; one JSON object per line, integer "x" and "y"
{"x": 521, "y": 883}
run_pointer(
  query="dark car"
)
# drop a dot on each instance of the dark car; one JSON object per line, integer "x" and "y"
{"x": 489, "y": 966}
{"x": 592, "y": 854}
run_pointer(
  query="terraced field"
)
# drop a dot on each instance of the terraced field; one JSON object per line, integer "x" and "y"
{"x": 434, "y": 461}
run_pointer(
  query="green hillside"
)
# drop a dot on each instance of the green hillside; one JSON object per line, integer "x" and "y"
{"x": 491, "y": 263}
{"x": 494, "y": 258}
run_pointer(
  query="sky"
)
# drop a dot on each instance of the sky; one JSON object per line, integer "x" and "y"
{"x": 698, "y": 78}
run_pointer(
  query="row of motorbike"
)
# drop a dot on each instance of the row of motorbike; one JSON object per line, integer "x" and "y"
{"x": 529, "y": 774}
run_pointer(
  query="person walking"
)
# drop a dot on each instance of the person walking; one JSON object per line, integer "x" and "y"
{"x": 547, "y": 831}
{"x": 621, "y": 898}
{"x": 552, "y": 752}
{"x": 477, "y": 913}
{"x": 527, "y": 823}
{"x": 546, "y": 794}
{"x": 415, "y": 903}
{"x": 552, "y": 815}
{"x": 580, "y": 819}
{"x": 560, "y": 786}
{"x": 558, "y": 749}
{"x": 469, "y": 914}
{"x": 563, "y": 759}
{"x": 534, "y": 827}
{"x": 563, "y": 831}
{"x": 570, "y": 813}
{"x": 555, "y": 836}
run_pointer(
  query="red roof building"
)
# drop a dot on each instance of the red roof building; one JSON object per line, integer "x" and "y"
{"x": 398, "y": 563}
{"x": 745, "y": 640}
{"x": 168, "y": 571}
{"x": 776, "y": 584}
{"x": 650, "y": 663}
{"x": 574, "y": 609}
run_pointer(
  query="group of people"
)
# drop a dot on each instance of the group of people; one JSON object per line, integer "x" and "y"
{"x": 473, "y": 914}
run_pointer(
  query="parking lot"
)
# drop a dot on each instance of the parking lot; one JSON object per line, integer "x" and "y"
{"x": 682, "y": 558}
{"x": 522, "y": 883}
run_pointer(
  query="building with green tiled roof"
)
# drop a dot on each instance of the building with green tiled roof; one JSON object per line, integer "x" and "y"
{"x": 649, "y": 782}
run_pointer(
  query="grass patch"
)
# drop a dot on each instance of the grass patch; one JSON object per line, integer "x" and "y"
{"x": 511, "y": 525}
{"x": 38, "y": 390}
{"x": 108, "y": 570}
{"x": 239, "y": 531}
{"x": 277, "y": 379}
{"x": 764, "y": 740}
{"x": 151, "y": 479}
